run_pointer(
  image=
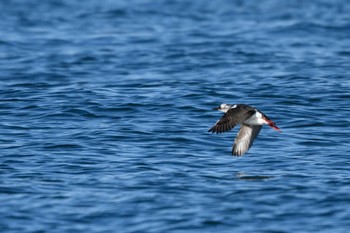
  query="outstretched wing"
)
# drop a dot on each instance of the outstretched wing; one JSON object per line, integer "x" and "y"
{"x": 245, "y": 139}
{"x": 231, "y": 118}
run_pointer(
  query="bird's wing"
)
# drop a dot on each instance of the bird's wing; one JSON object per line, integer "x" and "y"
{"x": 245, "y": 139}
{"x": 230, "y": 119}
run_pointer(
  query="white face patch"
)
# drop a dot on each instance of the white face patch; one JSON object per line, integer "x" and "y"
{"x": 224, "y": 107}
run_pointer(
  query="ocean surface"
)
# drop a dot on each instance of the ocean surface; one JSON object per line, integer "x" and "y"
{"x": 105, "y": 107}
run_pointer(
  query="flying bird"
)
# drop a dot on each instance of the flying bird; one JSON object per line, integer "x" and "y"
{"x": 251, "y": 120}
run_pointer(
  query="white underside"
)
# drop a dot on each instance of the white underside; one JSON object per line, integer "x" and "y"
{"x": 255, "y": 119}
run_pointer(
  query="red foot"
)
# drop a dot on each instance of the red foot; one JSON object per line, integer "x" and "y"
{"x": 272, "y": 125}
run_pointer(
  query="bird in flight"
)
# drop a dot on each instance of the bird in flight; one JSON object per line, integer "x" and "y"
{"x": 251, "y": 120}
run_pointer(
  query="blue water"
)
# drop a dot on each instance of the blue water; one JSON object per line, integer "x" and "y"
{"x": 105, "y": 107}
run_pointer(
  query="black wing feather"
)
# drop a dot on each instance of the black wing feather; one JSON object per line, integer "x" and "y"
{"x": 231, "y": 118}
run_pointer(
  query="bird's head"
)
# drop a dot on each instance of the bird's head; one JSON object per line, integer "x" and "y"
{"x": 223, "y": 107}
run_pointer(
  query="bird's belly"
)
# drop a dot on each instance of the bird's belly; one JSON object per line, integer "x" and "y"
{"x": 255, "y": 119}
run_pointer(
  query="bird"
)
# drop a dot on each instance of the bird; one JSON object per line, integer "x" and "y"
{"x": 251, "y": 120}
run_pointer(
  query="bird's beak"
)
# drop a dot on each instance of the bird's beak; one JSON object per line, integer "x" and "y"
{"x": 217, "y": 108}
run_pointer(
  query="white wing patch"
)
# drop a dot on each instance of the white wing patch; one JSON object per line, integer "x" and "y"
{"x": 242, "y": 142}
{"x": 245, "y": 139}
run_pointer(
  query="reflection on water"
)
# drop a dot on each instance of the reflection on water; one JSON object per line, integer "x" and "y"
{"x": 244, "y": 176}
